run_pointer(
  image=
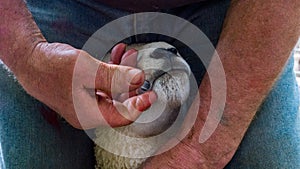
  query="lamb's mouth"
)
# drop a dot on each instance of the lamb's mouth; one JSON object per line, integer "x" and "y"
{"x": 151, "y": 77}
{"x": 168, "y": 61}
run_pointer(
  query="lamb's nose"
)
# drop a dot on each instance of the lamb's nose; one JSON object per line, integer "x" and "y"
{"x": 163, "y": 53}
{"x": 173, "y": 50}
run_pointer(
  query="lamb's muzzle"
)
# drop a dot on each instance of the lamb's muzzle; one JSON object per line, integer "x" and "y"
{"x": 167, "y": 74}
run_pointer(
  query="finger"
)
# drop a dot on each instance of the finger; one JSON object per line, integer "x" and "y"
{"x": 109, "y": 78}
{"x": 129, "y": 58}
{"x": 141, "y": 102}
{"x": 87, "y": 111}
{"x": 119, "y": 114}
{"x": 124, "y": 96}
{"x": 117, "y": 52}
{"x": 118, "y": 79}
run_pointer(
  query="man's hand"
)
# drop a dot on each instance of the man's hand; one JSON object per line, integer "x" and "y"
{"x": 47, "y": 71}
{"x": 49, "y": 76}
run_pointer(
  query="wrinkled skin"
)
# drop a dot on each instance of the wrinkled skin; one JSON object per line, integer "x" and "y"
{"x": 52, "y": 84}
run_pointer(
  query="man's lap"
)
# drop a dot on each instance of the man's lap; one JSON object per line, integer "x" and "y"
{"x": 273, "y": 139}
{"x": 28, "y": 140}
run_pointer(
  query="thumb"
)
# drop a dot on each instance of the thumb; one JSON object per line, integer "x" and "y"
{"x": 118, "y": 79}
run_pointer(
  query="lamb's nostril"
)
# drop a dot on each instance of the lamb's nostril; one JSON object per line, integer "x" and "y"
{"x": 173, "y": 50}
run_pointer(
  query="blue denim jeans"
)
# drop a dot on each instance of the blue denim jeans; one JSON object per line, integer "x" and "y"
{"x": 28, "y": 141}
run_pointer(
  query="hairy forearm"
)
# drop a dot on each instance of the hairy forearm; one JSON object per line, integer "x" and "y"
{"x": 18, "y": 33}
{"x": 254, "y": 46}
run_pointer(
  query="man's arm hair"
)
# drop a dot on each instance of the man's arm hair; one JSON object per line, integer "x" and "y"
{"x": 18, "y": 34}
{"x": 255, "y": 44}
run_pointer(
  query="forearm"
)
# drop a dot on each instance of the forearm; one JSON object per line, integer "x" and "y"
{"x": 18, "y": 33}
{"x": 254, "y": 46}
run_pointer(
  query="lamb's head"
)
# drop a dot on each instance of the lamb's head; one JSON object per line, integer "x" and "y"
{"x": 167, "y": 74}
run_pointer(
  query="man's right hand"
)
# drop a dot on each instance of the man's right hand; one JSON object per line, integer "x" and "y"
{"x": 48, "y": 75}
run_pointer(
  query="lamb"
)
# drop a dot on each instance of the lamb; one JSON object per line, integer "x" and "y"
{"x": 167, "y": 73}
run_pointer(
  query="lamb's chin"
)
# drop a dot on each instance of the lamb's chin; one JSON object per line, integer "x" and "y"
{"x": 126, "y": 147}
{"x": 122, "y": 153}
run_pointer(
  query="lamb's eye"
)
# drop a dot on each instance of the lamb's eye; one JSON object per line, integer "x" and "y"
{"x": 173, "y": 50}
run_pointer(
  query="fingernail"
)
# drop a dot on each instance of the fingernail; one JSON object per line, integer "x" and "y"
{"x": 121, "y": 45}
{"x": 152, "y": 97}
{"x": 102, "y": 94}
{"x": 137, "y": 76}
{"x": 130, "y": 58}
{"x": 99, "y": 93}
